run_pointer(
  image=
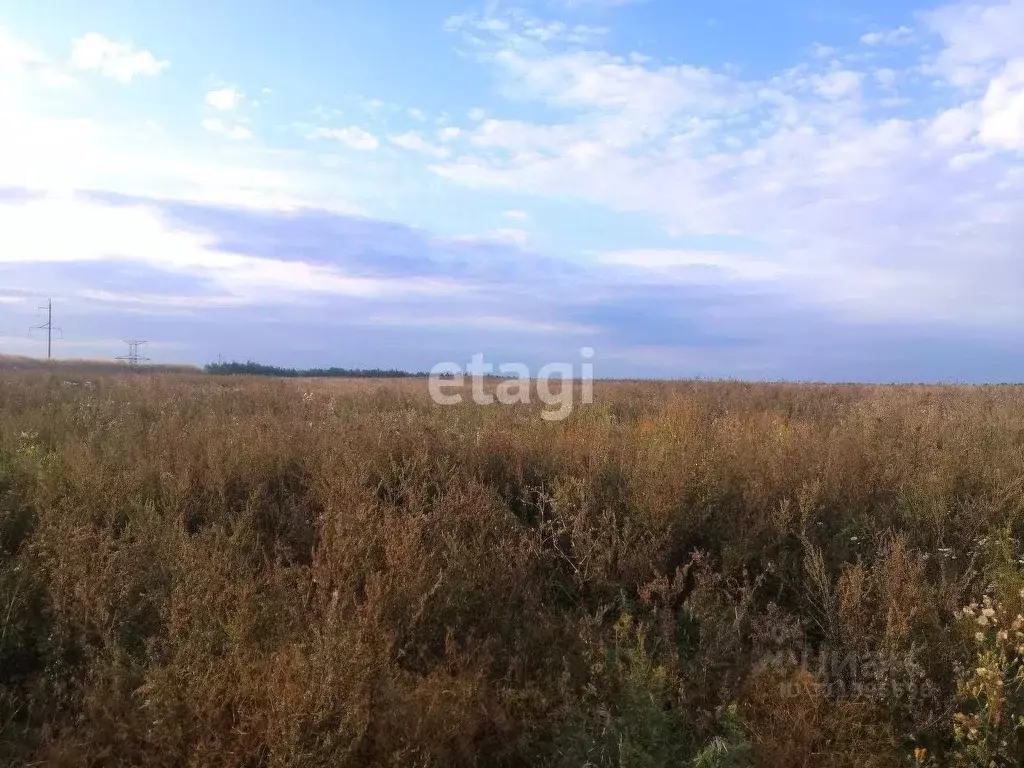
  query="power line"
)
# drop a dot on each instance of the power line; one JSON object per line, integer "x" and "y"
{"x": 133, "y": 357}
{"x": 49, "y": 327}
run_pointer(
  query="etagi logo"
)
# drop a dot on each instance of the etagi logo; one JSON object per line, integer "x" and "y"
{"x": 517, "y": 387}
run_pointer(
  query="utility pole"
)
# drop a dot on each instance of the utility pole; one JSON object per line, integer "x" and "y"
{"x": 49, "y": 328}
{"x": 133, "y": 357}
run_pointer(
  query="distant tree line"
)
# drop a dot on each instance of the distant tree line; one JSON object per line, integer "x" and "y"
{"x": 251, "y": 368}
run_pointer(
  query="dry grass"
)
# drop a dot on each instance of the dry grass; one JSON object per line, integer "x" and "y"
{"x": 232, "y": 572}
{"x": 11, "y": 363}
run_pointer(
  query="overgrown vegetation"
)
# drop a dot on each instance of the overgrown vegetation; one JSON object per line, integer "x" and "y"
{"x": 207, "y": 571}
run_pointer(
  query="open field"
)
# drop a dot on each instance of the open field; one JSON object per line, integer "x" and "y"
{"x": 203, "y": 571}
{"x": 9, "y": 363}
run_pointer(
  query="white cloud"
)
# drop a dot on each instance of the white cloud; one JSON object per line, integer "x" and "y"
{"x": 55, "y": 78}
{"x": 666, "y": 263}
{"x": 885, "y": 77}
{"x": 517, "y": 215}
{"x": 476, "y": 114}
{"x": 978, "y": 38}
{"x": 953, "y": 127}
{"x": 232, "y": 131}
{"x": 224, "y": 99}
{"x": 22, "y": 64}
{"x": 645, "y": 95}
{"x": 983, "y": 54}
{"x": 1002, "y": 109}
{"x": 493, "y": 323}
{"x": 889, "y": 37}
{"x": 525, "y": 29}
{"x": 417, "y": 114}
{"x": 838, "y": 85}
{"x": 501, "y": 236}
{"x": 510, "y": 235}
{"x": 15, "y": 54}
{"x": 876, "y": 217}
{"x": 157, "y": 303}
{"x": 352, "y": 137}
{"x": 90, "y": 231}
{"x": 42, "y": 152}
{"x": 48, "y": 142}
{"x": 416, "y": 143}
{"x": 853, "y": 204}
{"x": 121, "y": 61}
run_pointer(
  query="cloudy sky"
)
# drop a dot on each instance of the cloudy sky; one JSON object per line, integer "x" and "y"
{"x": 808, "y": 189}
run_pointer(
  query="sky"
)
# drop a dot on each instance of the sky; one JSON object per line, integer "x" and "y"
{"x": 805, "y": 190}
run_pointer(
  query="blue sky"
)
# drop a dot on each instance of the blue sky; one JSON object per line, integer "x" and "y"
{"x": 798, "y": 190}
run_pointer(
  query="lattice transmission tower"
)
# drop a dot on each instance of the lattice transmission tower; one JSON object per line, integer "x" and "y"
{"x": 134, "y": 357}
